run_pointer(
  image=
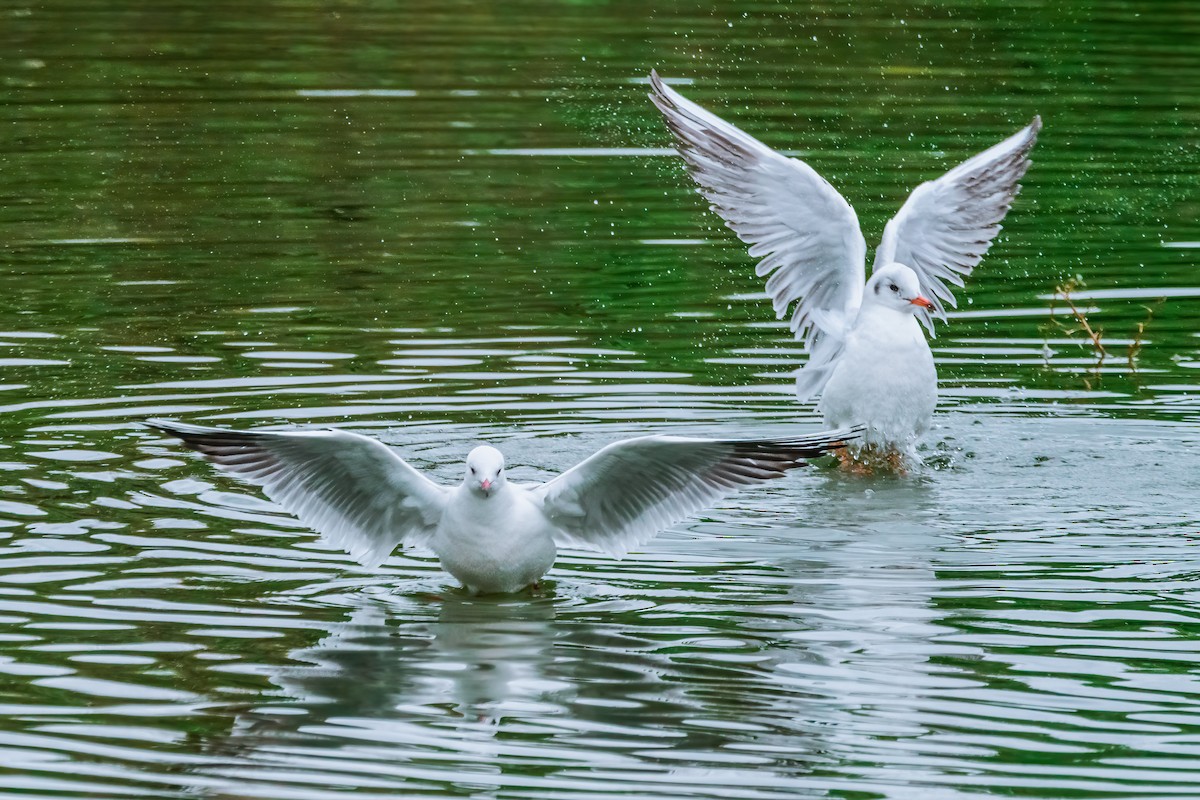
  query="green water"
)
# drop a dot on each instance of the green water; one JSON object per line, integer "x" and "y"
{"x": 446, "y": 223}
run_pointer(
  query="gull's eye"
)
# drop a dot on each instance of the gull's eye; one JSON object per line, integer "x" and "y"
{"x": 472, "y": 470}
{"x": 894, "y": 287}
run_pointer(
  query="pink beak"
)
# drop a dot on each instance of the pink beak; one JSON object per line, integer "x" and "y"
{"x": 485, "y": 485}
{"x": 922, "y": 301}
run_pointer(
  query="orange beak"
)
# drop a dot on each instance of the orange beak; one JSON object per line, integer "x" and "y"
{"x": 922, "y": 301}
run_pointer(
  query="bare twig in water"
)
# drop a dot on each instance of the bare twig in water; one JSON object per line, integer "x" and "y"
{"x": 1063, "y": 292}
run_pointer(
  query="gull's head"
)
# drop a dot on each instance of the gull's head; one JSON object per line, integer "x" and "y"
{"x": 485, "y": 471}
{"x": 896, "y": 286}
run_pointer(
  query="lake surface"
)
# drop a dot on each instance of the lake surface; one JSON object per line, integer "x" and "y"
{"x": 452, "y": 223}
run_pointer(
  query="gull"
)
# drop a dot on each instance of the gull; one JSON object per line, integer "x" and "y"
{"x": 493, "y": 535}
{"x": 867, "y": 355}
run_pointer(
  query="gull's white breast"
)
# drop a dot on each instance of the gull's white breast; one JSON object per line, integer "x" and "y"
{"x": 884, "y": 379}
{"x": 496, "y": 544}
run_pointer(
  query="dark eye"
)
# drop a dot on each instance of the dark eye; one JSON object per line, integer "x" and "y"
{"x": 894, "y": 287}
{"x": 472, "y": 470}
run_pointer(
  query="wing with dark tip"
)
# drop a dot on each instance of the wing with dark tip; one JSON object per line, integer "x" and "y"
{"x": 626, "y": 493}
{"x": 353, "y": 490}
{"x": 946, "y": 225}
{"x": 805, "y": 232}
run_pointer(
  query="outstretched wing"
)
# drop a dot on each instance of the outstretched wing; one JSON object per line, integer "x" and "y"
{"x": 814, "y": 251}
{"x": 946, "y": 225}
{"x": 353, "y": 490}
{"x": 626, "y": 493}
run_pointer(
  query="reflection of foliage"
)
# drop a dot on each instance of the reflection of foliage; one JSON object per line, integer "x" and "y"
{"x": 1135, "y": 347}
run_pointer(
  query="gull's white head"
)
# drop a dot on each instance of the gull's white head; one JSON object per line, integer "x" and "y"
{"x": 896, "y": 286}
{"x": 485, "y": 471}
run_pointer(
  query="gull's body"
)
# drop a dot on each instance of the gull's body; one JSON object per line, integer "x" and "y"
{"x": 868, "y": 357}
{"x": 469, "y": 549}
{"x": 493, "y": 535}
{"x": 884, "y": 378}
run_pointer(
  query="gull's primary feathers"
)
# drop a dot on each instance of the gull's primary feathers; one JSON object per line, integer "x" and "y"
{"x": 813, "y": 253}
{"x": 493, "y": 535}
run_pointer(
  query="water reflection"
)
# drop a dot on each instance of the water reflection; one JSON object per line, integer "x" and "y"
{"x": 834, "y": 638}
{"x": 474, "y": 660}
{"x": 808, "y": 636}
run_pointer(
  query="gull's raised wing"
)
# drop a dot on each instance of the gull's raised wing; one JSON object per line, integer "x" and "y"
{"x": 624, "y": 494}
{"x": 946, "y": 225}
{"x": 353, "y": 490}
{"x": 814, "y": 251}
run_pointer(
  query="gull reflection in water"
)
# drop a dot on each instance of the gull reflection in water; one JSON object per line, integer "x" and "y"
{"x": 478, "y": 660}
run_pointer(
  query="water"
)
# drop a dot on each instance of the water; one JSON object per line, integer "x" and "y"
{"x": 451, "y": 223}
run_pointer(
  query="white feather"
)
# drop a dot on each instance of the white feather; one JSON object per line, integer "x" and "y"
{"x": 353, "y": 490}
{"x": 627, "y": 492}
{"x": 805, "y": 232}
{"x": 944, "y": 228}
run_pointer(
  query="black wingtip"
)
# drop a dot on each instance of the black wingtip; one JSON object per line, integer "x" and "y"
{"x": 840, "y": 438}
{"x": 818, "y": 444}
{"x": 179, "y": 429}
{"x": 161, "y": 425}
{"x": 658, "y": 93}
{"x": 187, "y": 434}
{"x": 196, "y": 436}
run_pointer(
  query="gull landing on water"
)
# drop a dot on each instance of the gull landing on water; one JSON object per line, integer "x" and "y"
{"x": 867, "y": 355}
{"x": 491, "y": 534}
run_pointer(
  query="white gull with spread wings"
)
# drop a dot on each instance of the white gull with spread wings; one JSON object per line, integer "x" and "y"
{"x": 491, "y": 534}
{"x": 867, "y": 354}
